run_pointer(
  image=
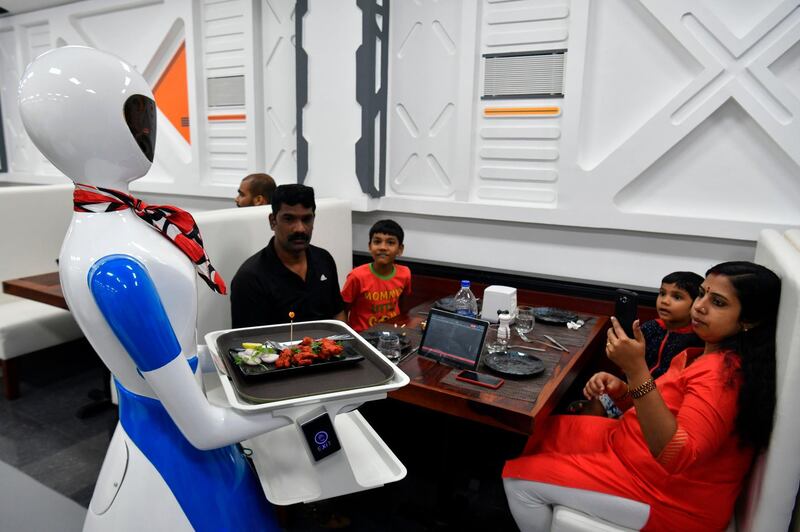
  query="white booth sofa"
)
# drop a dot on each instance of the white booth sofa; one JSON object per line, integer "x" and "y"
{"x": 768, "y": 499}
{"x": 230, "y": 236}
{"x": 33, "y": 222}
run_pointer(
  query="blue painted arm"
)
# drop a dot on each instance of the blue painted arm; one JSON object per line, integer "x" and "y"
{"x": 129, "y": 301}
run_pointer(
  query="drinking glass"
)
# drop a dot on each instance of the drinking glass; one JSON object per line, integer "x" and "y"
{"x": 389, "y": 345}
{"x": 493, "y": 343}
{"x": 523, "y": 323}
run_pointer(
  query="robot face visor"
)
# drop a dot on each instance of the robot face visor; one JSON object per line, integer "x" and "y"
{"x": 140, "y": 115}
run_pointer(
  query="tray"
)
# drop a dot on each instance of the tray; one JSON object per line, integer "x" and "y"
{"x": 350, "y": 356}
{"x": 553, "y": 315}
{"x": 288, "y": 476}
{"x": 374, "y": 374}
{"x": 514, "y": 363}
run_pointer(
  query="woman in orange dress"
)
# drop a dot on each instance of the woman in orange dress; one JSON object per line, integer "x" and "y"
{"x": 677, "y": 457}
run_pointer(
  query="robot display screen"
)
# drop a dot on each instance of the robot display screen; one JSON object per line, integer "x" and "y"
{"x": 453, "y": 339}
{"x": 140, "y": 115}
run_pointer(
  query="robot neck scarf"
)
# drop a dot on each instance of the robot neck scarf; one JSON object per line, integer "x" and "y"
{"x": 174, "y": 223}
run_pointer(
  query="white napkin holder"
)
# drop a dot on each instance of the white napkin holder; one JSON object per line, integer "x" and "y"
{"x": 497, "y": 297}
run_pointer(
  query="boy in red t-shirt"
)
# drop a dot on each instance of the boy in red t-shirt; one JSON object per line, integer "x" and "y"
{"x": 372, "y": 291}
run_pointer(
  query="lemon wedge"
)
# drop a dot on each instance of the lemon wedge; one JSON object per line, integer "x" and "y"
{"x": 251, "y": 345}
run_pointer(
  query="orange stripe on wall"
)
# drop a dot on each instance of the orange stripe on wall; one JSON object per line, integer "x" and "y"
{"x": 521, "y": 111}
{"x": 172, "y": 93}
{"x": 227, "y": 117}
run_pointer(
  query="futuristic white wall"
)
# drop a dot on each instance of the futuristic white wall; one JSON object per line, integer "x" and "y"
{"x": 675, "y": 143}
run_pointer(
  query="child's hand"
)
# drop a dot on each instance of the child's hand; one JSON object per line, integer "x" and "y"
{"x": 625, "y": 352}
{"x": 603, "y": 382}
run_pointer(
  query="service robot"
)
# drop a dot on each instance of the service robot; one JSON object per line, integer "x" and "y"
{"x": 129, "y": 274}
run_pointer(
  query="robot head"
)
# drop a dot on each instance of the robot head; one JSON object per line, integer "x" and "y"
{"x": 90, "y": 114}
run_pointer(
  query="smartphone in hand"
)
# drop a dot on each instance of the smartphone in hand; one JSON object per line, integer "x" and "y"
{"x": 625, "y": 309}
{"x": 481, "y": 379}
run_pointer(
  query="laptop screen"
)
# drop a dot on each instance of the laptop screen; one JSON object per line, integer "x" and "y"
{"x": 453, "y": 339}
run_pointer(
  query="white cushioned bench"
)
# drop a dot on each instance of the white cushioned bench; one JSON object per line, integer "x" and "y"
{"x": 768, "y": 499}
{"x": 33, "y": 221}
{"x": 232, "y": 235}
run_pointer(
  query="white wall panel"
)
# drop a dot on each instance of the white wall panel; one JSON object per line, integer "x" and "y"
{"x": 278, "y": 69}
{"x": 332, "y": 117}
{"x": 116, "y": 28}
{"x": 427, "y": 107}
{"x": 517, "y": 156}
{"x": 678, "y": 126}
{"x": 227, "y": 53}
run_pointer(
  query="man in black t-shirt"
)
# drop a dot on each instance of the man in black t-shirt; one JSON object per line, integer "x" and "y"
{"x": 289, "y": 275}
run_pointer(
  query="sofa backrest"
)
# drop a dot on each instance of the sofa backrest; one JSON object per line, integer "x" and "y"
{"x": 232, "y": 235}
{"x": 770, "y": 494}
{"x": 33, "y": 222}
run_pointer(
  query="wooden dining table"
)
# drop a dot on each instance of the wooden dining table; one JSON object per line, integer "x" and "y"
{"x": 515, "y": 406}
{"x": 520, "y": 401}
{"x": 44, "y": 288}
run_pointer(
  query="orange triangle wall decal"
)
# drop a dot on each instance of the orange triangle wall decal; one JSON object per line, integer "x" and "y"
{"x": 172, "y": 93}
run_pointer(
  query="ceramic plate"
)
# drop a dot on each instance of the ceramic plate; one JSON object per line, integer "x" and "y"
{"x": 553, "y": 315}
{"x": 348, "y": 356}
{"x": 514, "y": 363}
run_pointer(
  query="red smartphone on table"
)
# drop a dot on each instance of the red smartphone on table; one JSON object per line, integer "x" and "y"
{"x": 481, "y": 379}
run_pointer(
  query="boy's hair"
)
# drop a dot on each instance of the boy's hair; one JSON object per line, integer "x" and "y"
{"x": 688, "y": 281}
{"x": 261, "y": 185}
{"x": 387, "y": 227}
{"x": 292, "y": 195}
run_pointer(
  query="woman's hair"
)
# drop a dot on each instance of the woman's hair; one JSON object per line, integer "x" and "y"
{"x": 758, "y": 290}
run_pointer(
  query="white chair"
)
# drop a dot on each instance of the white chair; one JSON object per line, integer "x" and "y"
{"x": 767, "y": 500}
{"x": 33, "y": 222}
{"x": 230, "y": 236}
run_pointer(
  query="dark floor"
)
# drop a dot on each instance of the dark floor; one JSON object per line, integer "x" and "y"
{"x": 40, "y": 433}
{"x": 453, "y": 480}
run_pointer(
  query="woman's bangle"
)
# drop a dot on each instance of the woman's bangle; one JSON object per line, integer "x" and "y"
{"x": 643, "y": 389}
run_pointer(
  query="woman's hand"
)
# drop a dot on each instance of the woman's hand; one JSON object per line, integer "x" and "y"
{"x": 625, "y": 352}
{"x": 603, "y": 382}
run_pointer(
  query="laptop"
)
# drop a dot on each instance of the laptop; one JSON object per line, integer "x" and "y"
{"x": 453, "y": 339}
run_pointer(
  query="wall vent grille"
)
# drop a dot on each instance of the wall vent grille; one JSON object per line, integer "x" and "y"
{"x": 524, "y": 75}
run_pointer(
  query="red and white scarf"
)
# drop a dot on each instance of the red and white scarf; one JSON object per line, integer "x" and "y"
{"x": 174, "y": 223}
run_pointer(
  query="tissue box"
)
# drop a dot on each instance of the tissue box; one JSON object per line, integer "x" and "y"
{"x": 496, "y": 298}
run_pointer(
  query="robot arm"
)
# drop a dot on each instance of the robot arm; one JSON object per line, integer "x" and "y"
{"x": 129, "y": 301}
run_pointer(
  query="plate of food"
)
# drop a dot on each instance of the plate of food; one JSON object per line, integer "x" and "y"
{"x": 514, "y": 363}
{"x": 553, "y": 315}
{"x": 271, "y": 358}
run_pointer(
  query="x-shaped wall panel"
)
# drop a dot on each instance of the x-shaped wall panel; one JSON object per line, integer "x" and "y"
{"x": 733, "y": 68}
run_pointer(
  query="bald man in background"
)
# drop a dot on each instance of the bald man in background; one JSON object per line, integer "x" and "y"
{"x": 255, "y": 189}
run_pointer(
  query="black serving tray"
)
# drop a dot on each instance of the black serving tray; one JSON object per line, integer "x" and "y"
{"x": 373, "y": 370}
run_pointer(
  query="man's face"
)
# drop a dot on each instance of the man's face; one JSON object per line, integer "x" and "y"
{"x": 293, "y": 225}
{"x": 245, "y": 196}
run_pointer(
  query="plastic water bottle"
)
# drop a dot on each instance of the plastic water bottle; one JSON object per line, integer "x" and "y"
{"x": 465, "y": 301}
